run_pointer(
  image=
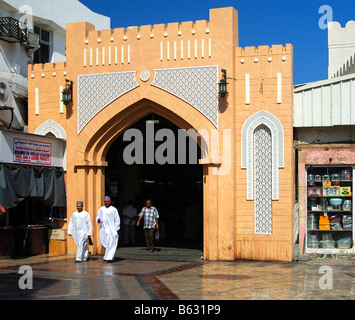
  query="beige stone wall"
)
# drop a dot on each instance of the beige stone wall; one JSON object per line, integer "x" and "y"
{"x": 262, "y": 64}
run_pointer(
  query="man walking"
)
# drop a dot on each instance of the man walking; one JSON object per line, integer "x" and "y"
{"x": 80, "y": 228}
{"x": 109, "y": 221}
{"x": 151, "y": 216}
{"x": 129, "y": 215}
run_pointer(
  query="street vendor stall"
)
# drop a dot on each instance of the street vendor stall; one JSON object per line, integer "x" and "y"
{"x": 32, "y": 191}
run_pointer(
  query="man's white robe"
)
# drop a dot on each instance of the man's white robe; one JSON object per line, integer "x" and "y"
{"x": 80, "y": 228}
{"x": 110, "y": 224}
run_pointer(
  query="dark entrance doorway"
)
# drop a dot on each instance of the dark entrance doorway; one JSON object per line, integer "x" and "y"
{"x": 176, "y": 190}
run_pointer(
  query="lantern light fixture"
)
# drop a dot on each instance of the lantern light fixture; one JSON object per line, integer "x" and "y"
{"x": 222, "y": 85}
{"x": 67, "y": 93}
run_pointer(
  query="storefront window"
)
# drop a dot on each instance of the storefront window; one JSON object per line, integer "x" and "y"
{"x": 329, "y": 208}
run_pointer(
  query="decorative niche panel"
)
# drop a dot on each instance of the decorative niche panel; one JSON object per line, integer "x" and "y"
{"x": 262, "y": 154}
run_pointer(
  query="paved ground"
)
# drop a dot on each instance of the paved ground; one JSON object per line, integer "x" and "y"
{"x": 175, "y": 274}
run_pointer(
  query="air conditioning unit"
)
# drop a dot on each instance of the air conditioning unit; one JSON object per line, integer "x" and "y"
{"x": 5, "y": 92}
{"x": 33, "y": 39}
{"x": 32, "y": 43}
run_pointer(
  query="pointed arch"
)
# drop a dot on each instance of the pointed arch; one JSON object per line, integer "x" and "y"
{"x": 50, "y": 126}
{"x": 99, "y": 143}
{"x": 247, "y": 149}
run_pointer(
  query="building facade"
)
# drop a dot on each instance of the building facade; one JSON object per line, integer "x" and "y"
{"x": 324, "y": 122}
{"x": 341, "y": 43}
{"x": 33, "y": 32}
{"x": 122, "y": 75}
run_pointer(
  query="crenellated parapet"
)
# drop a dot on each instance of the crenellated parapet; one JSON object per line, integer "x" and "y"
{"x": 174, "y": 42}
{"x": 158, "y": 45}
{"x": 269, "y": 60}
{"x": 47, "y": 69}
{"x": 45, "y": 84}
{"x": 341, "y": 45}
{"x": 264, "y": 72}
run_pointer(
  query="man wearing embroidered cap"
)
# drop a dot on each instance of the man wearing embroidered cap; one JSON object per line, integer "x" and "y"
{"x": 80, "y": 228}
{"x": 109, "y": 221}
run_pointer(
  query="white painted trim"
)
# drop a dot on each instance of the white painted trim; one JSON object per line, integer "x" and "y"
{"x": 61, "y": 104}
{"x": 247, "y": 89}
{"x": 247, "y": 149}
{"x": 279, "y": 87}
{"x": 36, "y": 101}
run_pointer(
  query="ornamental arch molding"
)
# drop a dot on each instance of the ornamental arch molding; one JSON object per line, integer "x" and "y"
{"x": 50, "y": 126}
{"x": 247, "y": 149}
{"x": 107, "y": 131}
{"x": 53, "y": 127}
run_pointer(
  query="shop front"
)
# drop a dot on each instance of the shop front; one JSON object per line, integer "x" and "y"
{"x": 32, "y": 190}
{"x": 326, "y": 184}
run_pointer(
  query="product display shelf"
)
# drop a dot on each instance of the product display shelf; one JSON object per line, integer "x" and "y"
{"x": 329, "y": 212}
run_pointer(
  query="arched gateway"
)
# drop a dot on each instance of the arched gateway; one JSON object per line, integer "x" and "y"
{"x": 122, "y": 75}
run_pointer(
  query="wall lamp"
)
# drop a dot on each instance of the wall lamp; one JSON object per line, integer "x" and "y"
{"x": 67, "y": 93}
{"x": 222, "y": 85}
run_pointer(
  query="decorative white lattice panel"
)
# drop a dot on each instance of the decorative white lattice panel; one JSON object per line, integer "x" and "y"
{"x": 263, "y": 180}
{"x": 247, "y": 149}
{"x": 96, "y": 91}
{"x": 197, "y": 86}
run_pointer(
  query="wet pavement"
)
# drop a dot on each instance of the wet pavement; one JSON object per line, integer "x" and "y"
{"x": 174, "y": 274}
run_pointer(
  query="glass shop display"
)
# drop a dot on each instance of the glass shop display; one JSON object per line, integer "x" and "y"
{"x": 329, "y": 208}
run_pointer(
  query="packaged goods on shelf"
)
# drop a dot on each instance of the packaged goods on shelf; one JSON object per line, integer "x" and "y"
{"x": 314, "y": 191}
{"x": 313, "y": 221}
{"x": 345, "y": 191}
{"x": 344, "y": 243}
{"x": 312, "y": 241}
{"x": 324, "y": 223}
{"x": 331, "y": 191}
{"x": 347, "y": 222}
{"x": 335, "y": 223}
{"x": 327, "y": 244}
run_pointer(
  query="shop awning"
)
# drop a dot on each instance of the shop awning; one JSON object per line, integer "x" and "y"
{"x": 18, "y": 181}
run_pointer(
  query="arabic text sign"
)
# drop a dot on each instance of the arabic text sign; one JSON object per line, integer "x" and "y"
{"x": 29, "y": 151}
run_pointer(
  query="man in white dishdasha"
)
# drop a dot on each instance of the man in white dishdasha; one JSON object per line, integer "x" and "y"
{"x": 80, "y": 228}
{"x": 109, "y": 221}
